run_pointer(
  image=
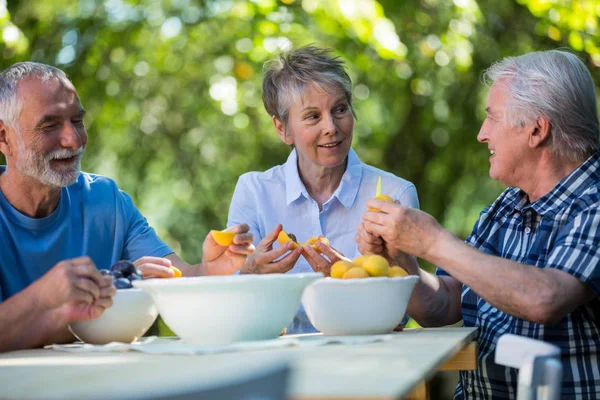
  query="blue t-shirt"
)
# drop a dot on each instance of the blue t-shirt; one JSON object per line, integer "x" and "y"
{"x": 93, "y": 218}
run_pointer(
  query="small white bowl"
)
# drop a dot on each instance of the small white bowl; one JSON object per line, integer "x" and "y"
{"x": 366, "y": 306}
{"x": 130, "y": 316}
{"x": 218, "y": 310}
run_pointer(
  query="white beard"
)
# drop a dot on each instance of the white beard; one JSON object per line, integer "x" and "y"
{"x": 37, "y": 166}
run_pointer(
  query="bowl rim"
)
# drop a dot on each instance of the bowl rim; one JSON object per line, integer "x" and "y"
{"x": 365, "y": 281}
{"x": 223, "y": 279}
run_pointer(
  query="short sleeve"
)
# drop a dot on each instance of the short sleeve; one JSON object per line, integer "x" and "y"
{"x": 243, "y": 208}
{"x": 140, "y": 238}
{"x": 409, "y": 197}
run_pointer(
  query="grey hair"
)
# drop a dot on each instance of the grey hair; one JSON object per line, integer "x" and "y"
{"x": 10, "y": 104}
{"x": 288, "y": 75}
{"x": 555, "y": 84}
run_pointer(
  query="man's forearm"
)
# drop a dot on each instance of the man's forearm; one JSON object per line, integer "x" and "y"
{"x": 24, "y": 324}
{"x": 435, "y": 302}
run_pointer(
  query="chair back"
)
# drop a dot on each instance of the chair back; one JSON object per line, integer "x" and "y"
{"x": 540, "y": 369}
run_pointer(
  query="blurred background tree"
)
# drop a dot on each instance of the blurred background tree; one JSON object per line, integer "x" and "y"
{"x": 173, "y": 89}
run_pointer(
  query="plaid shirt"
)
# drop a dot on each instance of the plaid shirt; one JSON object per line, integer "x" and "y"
{"x": 560, "y": 230}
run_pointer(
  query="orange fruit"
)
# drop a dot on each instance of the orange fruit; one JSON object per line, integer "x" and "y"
{"x": 376, "y": 265}
{"x": 381, "y": 197}
{"x": 396, "y": 271}
{"x": 223, "y": 238}
{"x": 356, "y": 273}
{"x": 339, "y": 268}
{"x": 283, "y": 238}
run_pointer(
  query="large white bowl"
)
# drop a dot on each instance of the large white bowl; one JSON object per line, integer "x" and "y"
{"x": 130, "y": 316}
{"x": 217, "y": 310}
{"x": 358, "y": 306}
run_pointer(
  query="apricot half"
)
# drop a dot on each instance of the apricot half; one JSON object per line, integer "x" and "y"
{"x": 176, "y": 272}
{"x": 283, "y": 238}
{"x": 381, "y": 197}
{"x": 312, "y": 242}
{"x": 223, "y": 238}
{"x": 396, "y": 272}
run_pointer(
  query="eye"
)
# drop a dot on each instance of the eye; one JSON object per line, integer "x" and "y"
{"x": 312, "y": 116}
{"x": 341, "y": 110}
{"x": 78, "y": 122}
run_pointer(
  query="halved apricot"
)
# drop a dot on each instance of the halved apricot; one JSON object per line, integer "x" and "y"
{"x": 381, "y": 197}
{"x": 312, "y": 242}
{"x": 283, "y": 238}
{"x": 176, "y": 272}
{"x": 223, "y": 238}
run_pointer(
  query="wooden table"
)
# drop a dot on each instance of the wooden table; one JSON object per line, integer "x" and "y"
{"x": 390, "y": 369}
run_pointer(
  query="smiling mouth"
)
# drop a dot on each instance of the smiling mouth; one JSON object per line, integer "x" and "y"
{"x": 330, "y": 145}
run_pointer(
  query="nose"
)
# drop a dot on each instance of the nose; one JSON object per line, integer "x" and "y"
{"x": 72, "y": 137}
{"x": 482, "y": 136}
{"x": 329, "y": 127}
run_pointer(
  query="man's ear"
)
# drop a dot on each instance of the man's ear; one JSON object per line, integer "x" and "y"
{"x": 540, "y": 132}
{"x": 280, "y": 128}
{"x": 5, "y": 147}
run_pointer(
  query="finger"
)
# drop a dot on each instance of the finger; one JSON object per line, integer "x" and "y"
{"x": 243, "y": 238}
{"x": 103, "y": 302}
{"x": 165, "y": 262}
{"x": 369, "y": 238}
{"x": 242, "y": 249}
{"x": 285, "y": 264}
{"x": 86, "y": 270}
{"x": 239, "y": 228}
{"x": 107, "y": 292}
{"x": 87, "y": 285}
{"x": 384, "y": 207}
{"x": 272, "y": 255}
{"x": 156, "y": 270}
{"x": 315, "y": 259}
{"x": 331, "y": 253}
{"x": 374, "y": 228}
{"x": 270, "y": 238}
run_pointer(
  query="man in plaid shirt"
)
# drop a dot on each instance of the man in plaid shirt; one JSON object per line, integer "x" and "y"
{"x": 531, "y": 267}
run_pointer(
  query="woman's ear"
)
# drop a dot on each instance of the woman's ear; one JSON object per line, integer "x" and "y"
{"x": 280, "y": 128}
{"x": 540, "y": 132}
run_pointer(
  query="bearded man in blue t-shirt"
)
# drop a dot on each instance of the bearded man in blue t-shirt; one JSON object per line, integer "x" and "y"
{"x": 58, "y": 226}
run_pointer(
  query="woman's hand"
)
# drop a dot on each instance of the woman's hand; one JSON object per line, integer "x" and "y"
{"x": 320, "y": 263}
{"x": 263, "y": 259}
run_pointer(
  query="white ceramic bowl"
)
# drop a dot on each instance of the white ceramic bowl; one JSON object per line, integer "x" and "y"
{"x": 358, "y": 306}
{"x": 218, "y": 310}
{"x": 130, "y": 316}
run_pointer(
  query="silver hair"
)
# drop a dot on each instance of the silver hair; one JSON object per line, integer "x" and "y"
{"x": 555, "y": 84}
{"x": 287, "y": 76}
{"x": 10, "y": 104}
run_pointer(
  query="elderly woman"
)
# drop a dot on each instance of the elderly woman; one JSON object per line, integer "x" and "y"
{"x": 323, "y": 187}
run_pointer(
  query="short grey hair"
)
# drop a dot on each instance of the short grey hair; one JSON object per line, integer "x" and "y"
{"x": 288, "y": 75}
{"x": 555, "y": 84}
{"x": 10, "y": 104}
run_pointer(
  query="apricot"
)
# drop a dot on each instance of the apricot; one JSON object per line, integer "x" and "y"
{"x": 376, "y": 265}
{"x": 176, "y": 272}
{"x": 396, "y": 272}
{"x": 312, "y": 242}
{"x": 283, "y": 238}
{"x": 339, "y": 268}
{"x": 356, "y": 273}
{"x": 381, "y": 197}
{"x": 358, "y": 261}
{"x": 223, "y": 238}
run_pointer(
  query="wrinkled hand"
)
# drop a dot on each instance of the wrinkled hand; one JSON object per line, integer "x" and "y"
{"x": 263, "y": 259}
{"x": 319, "y": 263}
{"x": 225, "y": 260}
{"x": 75, "y": 289}
{"x": 157, "y": 267}
{"x": 402, "y": 229}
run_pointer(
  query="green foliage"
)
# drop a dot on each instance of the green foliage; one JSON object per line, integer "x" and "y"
{"x": 173, "y": 89}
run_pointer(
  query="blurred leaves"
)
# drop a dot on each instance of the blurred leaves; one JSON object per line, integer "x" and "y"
{"x": 173, "y": 89}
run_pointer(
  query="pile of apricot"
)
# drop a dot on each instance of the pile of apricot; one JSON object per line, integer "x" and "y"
{"x": 365, "y": 267}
